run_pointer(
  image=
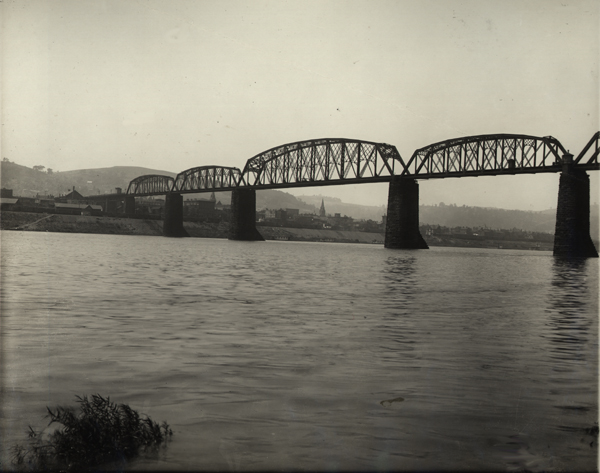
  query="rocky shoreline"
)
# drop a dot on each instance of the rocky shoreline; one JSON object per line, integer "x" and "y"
{"x": 39, "y": 222}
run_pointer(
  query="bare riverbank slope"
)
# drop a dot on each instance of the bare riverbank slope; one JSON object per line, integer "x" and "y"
{"x": 39, "y": 222}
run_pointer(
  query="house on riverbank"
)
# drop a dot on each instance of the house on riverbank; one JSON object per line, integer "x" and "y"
{"x": 78, "y": 209}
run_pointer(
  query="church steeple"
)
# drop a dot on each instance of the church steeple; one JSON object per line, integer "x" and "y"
{"x": 322, "y": 211}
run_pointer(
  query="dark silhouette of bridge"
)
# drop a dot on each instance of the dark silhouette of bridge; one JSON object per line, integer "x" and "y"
{"x": 340, "y": 161}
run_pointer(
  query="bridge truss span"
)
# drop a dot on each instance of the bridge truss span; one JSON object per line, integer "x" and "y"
{"x": 322, "y": 162}
{"x": 150, "y": 184}
{"x": 486, "y": 155}
{"x": 207, "y": 178}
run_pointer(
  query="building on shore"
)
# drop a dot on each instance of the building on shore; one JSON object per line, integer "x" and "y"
{"x": 77, "y": 209}
{"x": 72, "y": 197}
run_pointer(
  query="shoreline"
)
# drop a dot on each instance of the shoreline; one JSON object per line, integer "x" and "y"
{"x": 58, "y": 223}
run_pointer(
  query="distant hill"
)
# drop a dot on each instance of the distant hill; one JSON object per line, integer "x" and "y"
{"x": 464, "y": 216}
{"x": 274, "y": 199}
{"x": 28, "y": 182}
{"x": 493, "y": 218}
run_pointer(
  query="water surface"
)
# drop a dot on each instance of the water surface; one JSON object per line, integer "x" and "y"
{"x": 310, "y": 356}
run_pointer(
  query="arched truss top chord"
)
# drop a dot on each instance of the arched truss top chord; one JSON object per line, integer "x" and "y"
{"x": 589, "y": 154}
{"x": 335, "y": 160}
{"x": 207, "y": 178}
{"x": 150, "y": 184}
{"x": 486, "y": 154}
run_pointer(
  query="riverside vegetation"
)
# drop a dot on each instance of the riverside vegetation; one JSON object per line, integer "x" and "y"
{"x": 101, "y": 431}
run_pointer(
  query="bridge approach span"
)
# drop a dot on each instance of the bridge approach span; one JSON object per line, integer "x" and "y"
{"x": 150, "y": 184}
{"x": 207, "y": 178}
{"x": 483, "y": 155}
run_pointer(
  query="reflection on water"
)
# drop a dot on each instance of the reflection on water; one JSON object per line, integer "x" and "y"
{"x": 568, "y": 297}
{"x": 396, "y": 319}
{"x": 399, "y": 272}
{"x": 570, "y": 323}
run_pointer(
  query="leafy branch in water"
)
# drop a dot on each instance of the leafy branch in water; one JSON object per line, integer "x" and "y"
{"x": 101, "y": 431}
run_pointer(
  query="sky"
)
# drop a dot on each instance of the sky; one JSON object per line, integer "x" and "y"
{"x": 171, "y": 84}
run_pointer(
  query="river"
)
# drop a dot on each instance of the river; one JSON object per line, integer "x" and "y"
{"x": 308, "y": 356}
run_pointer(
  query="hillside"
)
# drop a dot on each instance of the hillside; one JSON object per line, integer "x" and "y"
{"x": 465, "y": 216}
{"x": 493, "y": 218}
{"x": 27, "y": 182}
{"x": 274, "y": 199}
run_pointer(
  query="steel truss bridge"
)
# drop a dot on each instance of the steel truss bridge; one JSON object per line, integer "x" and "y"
{"x": 338, "y": 161}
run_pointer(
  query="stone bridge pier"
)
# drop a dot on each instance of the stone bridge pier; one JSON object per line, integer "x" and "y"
{"x": 572, "y": 232}
{"x": 243, "y": 216}
{"x": 173, "y": 220}
{"x": 402, "y": 224}
{"x": 129, "y": 206}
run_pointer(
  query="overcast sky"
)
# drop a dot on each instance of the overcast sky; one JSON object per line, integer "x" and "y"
{"x": 171, "y": 85}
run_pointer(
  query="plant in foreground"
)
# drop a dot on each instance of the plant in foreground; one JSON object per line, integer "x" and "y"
{"x": 101, "y": 431}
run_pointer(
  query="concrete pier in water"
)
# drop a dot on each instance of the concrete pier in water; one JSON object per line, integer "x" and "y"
{"x": 402, "y": 224}
{"x": 130, "y": 206}
{"x": 243, "y": 216}
{"x": 572, "y": 232}
{"x": 173, "y": 221}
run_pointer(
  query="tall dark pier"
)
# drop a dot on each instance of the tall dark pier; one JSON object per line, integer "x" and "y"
{"x": 402, "y": 224}
{"x": 572, "y": 232}
{"x": 173, "y": 221}
{"x": 243, "y": 216}
{"x": 130, "y": 205}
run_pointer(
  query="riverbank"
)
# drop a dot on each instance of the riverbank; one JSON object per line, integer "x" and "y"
{"x": 25, "y": 221}
{"x": 35, "y": 222}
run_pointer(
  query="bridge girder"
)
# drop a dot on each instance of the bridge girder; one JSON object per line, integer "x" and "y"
{"x": 203, "y": 178}
{"x": 321, "y": 161}
{"x": 150, "y": 184}
{"x": 486, "y": 155}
